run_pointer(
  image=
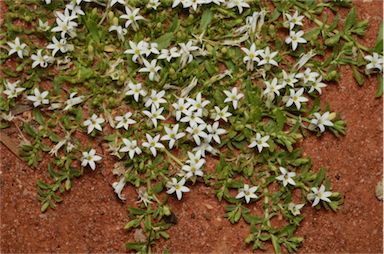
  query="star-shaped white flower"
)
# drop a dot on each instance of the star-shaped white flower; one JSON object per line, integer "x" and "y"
{"x": 192, "y": 118}
{"x": 198, "y": 104}
{"x": 38, "y": 98}
{"x": 296, "y": 97}
{"x": 260, "y": 142}
{"x": 181, "y": 106}
{"x": 155, "y": 99}
{"x": 321, "y": 121}
{"x": 233, "y": 96}
{"x": 294, "y": 20}
{"x": 272, "y": 87}
{"x": 240, "y": 4}
{"x": 308, "y": 75}
{"x": 286, "y": 177}
{"x": 136, "y": 90}
{"x": 295, "y": 38}
{"x": 72, "y": 101}
{"x": 295, "y": 209}
{"x": 89, "y": 158}
{"x": 17, "y": 47}
{"x": 130, "y": 147}
{"x": 172, "y": 135}
{"x": 39, "y": 59}
{"x": 247, "y": 192}
{"x": 221, "y": 114}
{"x": 121, "y": 32}
{"x": 113, "y": 2}
{"x": 319, "y": 194}
{"x": 375, "y": 62}
{"x": 136, "y": 50}
{"x": 152, "y": 68}
{"x": 124, "y": 121}
{"x": 197, "y": 132}
{"x": 94, "y": 123}
{"x": 169, "y": 54}
{"x": 214, "y": 132}
{"x": 154, "y": 114}
{"x": 11, "y": 89}
{"x": 267, "y": 57}
{"x": 132, "y": 16}
{"x": 251, "y": 56}
{"x": 153, "y": 143}
{"x": 317, "y": 85}
{"x": 178, "y": 187}
{"x": 194, "y": 168}
{"x": 186, "y": 50}
{"x": 289, "y": 79}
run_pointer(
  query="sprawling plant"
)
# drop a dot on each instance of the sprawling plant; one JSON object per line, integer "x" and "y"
{"x": 169, "y": 85}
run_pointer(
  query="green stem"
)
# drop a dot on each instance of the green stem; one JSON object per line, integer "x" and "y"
{"x": 170, "y": 155}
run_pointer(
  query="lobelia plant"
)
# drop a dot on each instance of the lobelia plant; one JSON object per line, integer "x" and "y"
{"x": 169, "y": 85}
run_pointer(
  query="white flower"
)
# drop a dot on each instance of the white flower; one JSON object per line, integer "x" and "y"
{"x": 76, "y": 9}
{"x": 178, "y": 187}
{"x": 317, "y": 85}
{"x": 39, "y": 98}
{"x": 289, "y": 79}
{"x": 94, "y": 123}
{"x": 38, "y": 59}
{"x": 72, "y": 101}
{"x": 152, "y": 68}
{"x": 181, "y": 106}
{"x": 169, "y": 54}
{"x": 58, "y": 45}
{"x": 143, "y": 196}
{"x": 153, "y": 144}
{"x": 132, "y": 16}
{"x": 192, "y": 118}
{"x": 153, "y": 4}
{"x": 295, "y": 38}
{"x": 194, "y": 168}
{"x": 130, "y": 147}
{"x": 251, "y": 56}
{"x": 155, "y": 99}
{"x": 272, "y": 87}
{"x": 89, "y": 158}
{"x": 43, "y": 26}
{"x": 240, "y": 4}
{"x": 136, "y": 50}
{"x": 308, "y": 75}
{"x": 118, "y": 187}
{"x": 172, "y": 135}
{"x": 136, "y": 90}
{"x": 260, "y": 142}
{"x": 295, "y": 19}
{"x": 221, "y": 113}
{"x": 233, "y": 96}
{"x": 113, "y": 2}
{"x": 124, "y": 121}
{"x": 205, "y": 147}
{"x": 286, "y": 177}
{"x": 17, "y": 47}
{"x": 154, "y": 114}
{"x": 197, "y": 132}
{"x": 375, "y": 62}
{"x": 214, "y": 132}
{"x": 321, "y": 121}
{"x": 194, "y": 158}
{"x": 267, "y": 56}
{"x": 197, "y": 104}
{"x": 12, "y": 91}
{"x": 296, "y": 97}
{"x": 295, "y": 209}
{"x": 247, "y": 193}
{"x": 65, "y": 24}
{"x": 121, "y": 32}
{"x": 185, "y": 51}
{"x": 319, "y": 194}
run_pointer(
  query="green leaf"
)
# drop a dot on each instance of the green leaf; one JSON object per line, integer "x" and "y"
{"x": 276, "y": 244}
{"x": 206, "y": 19}
{"x": 379, "y": 41}
{"x": 164, "y": 40}
{"x": 379, "y": 92}
{"x": 350, "y": 21}
{"x": 319, "y": 178}
{"x": 360, "y": 79}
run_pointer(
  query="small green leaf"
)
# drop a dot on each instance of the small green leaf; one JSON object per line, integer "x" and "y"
{"x": 360, "y": 79}
{"x": 350, "y": 21}
{"x": 205, "y": 19}
{"x": 164, "y": 40}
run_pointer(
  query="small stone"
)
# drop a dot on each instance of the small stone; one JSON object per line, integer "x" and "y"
{"x": 379, "y": 191}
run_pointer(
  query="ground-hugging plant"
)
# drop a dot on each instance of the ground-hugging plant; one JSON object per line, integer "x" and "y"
{"x": 169, "y": 85}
